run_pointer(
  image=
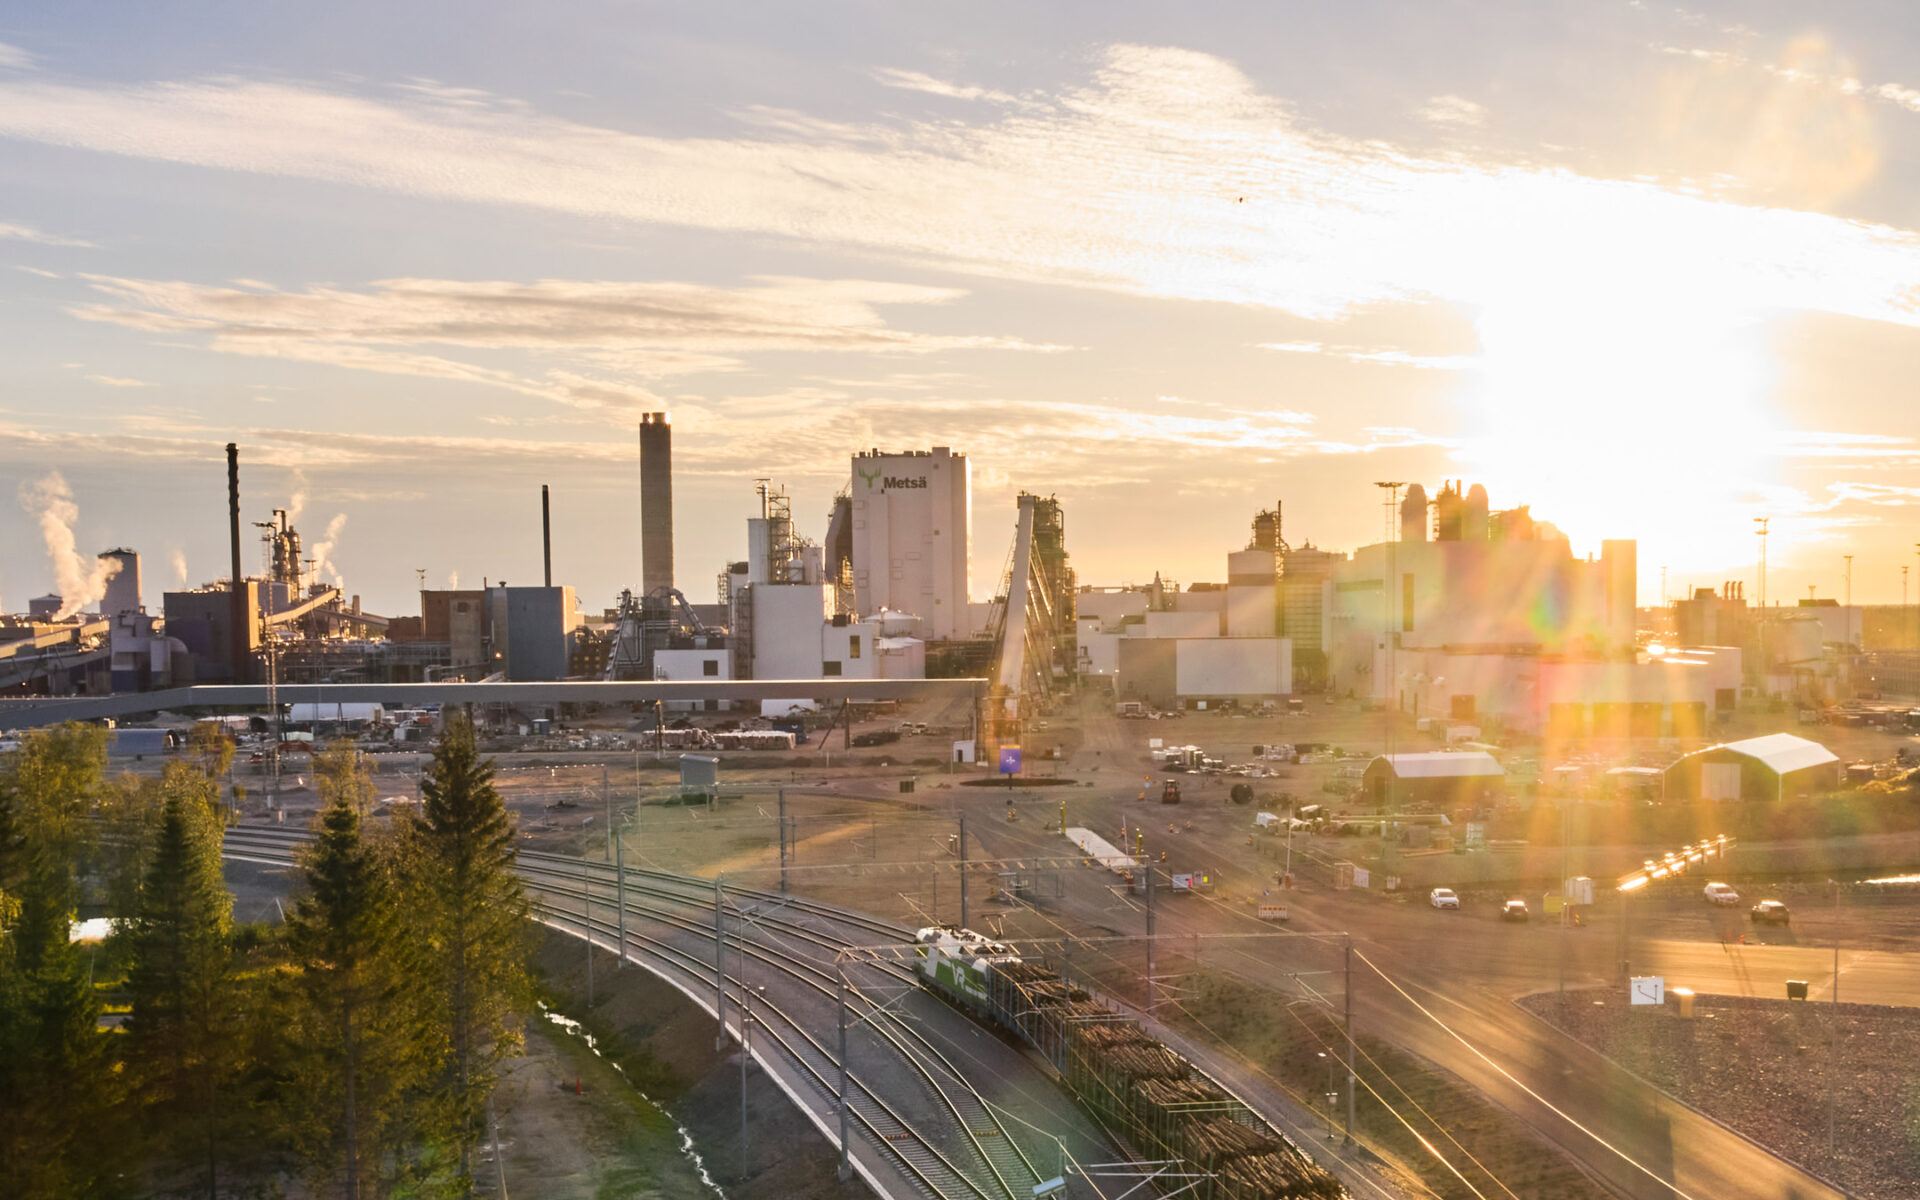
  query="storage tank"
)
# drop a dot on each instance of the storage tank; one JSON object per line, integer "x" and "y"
{"x": 123, "y": 585}
{"x": 1474, "y": 527}
{"x": 1413, "y": 514}
{"x": 1448, "y": 512}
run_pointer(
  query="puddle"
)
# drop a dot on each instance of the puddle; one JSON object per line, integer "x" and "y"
{"x": 687, "y": 1149}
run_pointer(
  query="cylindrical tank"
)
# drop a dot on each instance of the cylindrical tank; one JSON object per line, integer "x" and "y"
{"x": 123, "y": 583}
{"x": 1448, "y": 512}
{"x": 1266, "y": 530}
{"x": 1474, "y": 528}
{"x": 1413, "y": 514}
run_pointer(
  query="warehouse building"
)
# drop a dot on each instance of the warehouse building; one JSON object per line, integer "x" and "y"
{"x": 1442, "y": 779}
{"x": 1773, "y": 767}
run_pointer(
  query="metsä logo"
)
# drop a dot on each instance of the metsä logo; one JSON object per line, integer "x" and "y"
{"x": 896, "y": 481}
{"x": 868, "y": 477}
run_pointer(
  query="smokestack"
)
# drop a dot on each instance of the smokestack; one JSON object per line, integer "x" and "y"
{"x": 546, "y": 535}
{"x": 237, "y": 615}
{"x": 656, "y": 502}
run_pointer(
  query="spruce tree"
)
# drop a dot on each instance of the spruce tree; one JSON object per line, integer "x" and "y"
{"x": 184, "y": 1028}
{"x": 473, "y": 911}
{"x": 60, "y": 1127}
{"x": 358, "y": 1051}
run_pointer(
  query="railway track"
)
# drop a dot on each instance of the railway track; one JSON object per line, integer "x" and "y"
{"x": 910, "y": 1103}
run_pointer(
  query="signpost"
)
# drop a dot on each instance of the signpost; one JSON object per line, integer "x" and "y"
{"x": 1648, "y": 989}
{"x": 1009, "y": 760}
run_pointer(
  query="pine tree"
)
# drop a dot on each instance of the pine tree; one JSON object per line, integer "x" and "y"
{"x": 358, "y": 1053}
{"x": 183, "y": 1033}
{"x": 473, "y": 910}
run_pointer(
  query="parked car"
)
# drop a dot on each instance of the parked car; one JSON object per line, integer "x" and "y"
{"x": 1720, "y": 893}
{"x": 1769, "y": 912}
{"x": 1514, "y": 910}
{"x": 1443, "y": 898}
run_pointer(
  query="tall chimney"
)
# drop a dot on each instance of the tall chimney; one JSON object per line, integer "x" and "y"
{"x": 237, "y": 614}
{"x": 656, "y": 502}
{"x": 546, "y": 535}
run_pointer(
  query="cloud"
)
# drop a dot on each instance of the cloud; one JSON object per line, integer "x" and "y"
{"x": 13, "y": 58}
{"x": 40, "y": 271}
{"x": 620, "y": 333}
{"x": 117, "y": 381}
{"x": 1167, "y": 174}
{"x": 1397, "y": 358}
{"x": 914, "y": 81}
{"x": 1905, "y": 97}
{"x": 1452, "y": 110}
{"x": 13, "y": 230}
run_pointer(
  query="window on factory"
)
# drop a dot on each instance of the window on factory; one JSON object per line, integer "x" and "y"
{"x": 460, "y": 607}
{"x": 853, "y": 646}
{"x": 829, "y": 668}
{"x": 710, "y": 666}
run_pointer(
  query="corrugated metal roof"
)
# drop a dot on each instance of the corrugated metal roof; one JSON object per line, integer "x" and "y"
{"x": 1782, "y": 752}
{"x": 1442, "y": 764}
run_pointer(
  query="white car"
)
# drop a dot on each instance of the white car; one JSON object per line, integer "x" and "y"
{"x": 1720, "y": 893}
{"x": 1443, "y": 898}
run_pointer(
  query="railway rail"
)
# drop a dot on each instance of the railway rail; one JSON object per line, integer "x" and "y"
{"x": 914, "y": 1109}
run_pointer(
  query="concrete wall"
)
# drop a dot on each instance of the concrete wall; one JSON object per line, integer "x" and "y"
{"x": 786, "y": 630}
{"x": 691, "y": 665}
{"x": 1109, "y": 607}
{"x": 1177, "y": 625}
{"x": 1233, "y": 668}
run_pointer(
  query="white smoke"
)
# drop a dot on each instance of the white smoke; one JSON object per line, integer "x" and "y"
{"x": 297, "y": 503}
{"x": 453, "y": 581}
{"x": 323, "y": 550}
{"x": 82, "y": 580}
{"x": 179, "y": 560}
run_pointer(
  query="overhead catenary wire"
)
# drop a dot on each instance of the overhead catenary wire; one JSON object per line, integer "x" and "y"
{"x": 1555, "y": 1109}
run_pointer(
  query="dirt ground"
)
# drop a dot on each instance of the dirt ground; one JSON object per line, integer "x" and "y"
{"x": 1830, "y": 1088}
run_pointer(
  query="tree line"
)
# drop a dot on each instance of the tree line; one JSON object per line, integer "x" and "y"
{"x": 356, "y": 1045}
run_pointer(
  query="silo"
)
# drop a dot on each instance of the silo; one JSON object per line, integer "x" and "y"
{"x": 123, "y": 585}
{"x": 1413, "y": 514}
{"x": 1474, "y": 528}
{"x": 1447, "y": 514}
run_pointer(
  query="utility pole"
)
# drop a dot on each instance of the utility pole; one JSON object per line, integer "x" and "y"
{"x": 1349, "y": 1022}
{"x": 1150, "y": 964}
{"x": 963, "y": 872}
{"x": 620, "y": 896}
{"x": 606, "y": 793}
{"x": 1390, "y": 694}
{"x": 587, "y": 891}
{"x": 1849, "y": 599}
{"x": 1762, "y": 523}
{"x": 719, "y": 967}
{"x": 846, "y": 1167}
{"x": 783, "y": 839}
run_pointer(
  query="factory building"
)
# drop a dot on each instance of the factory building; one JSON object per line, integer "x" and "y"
{"x": 530, "y": 631}
{"x": 123, "y": 583}
{"x": 908, "y": 533}
{"x": 1211, "y": 645}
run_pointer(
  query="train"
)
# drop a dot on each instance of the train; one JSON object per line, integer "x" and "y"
{"x": 1147, "y": 1096}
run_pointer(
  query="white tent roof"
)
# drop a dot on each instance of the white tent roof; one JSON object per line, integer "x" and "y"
{"x": 1783, "y": 752}
{"x": 1442, "y": 764}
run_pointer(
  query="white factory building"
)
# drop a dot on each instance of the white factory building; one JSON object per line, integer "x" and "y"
{"x": 1200, "y": 649}
{"x": 911, "y": 529}
{"x": 1494, "y": 618}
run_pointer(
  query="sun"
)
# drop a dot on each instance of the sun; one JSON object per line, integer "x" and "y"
{"x": 1622, "y": 405}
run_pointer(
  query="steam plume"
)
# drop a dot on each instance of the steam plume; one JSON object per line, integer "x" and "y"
{"x": 453, "y": 581}
{"x": 297, "y": 503}
{"x": 323, "y": 550}
{"x": 82, "y": 580}
{"x": 179, "y": 560}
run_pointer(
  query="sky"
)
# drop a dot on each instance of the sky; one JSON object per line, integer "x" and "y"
{"x": 1652, "y": 270}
